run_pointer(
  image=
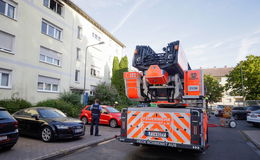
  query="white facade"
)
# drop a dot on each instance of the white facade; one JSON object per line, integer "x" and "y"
{"x": 43, "y": 44}
{"x": 227, "y": 99}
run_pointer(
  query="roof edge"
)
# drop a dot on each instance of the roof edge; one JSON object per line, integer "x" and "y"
{"x": 91, "y": 20}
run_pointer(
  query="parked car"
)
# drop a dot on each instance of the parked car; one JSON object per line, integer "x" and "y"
{"x": 48, "y": 124}
{"x": 254, "y": 118}
{"x": 252, "y": 108}
{"x": 8, "y": 130}
{"x": 239, "y": 113}
{"x": 109, "y": 115}
{"x": 219, "y": 111}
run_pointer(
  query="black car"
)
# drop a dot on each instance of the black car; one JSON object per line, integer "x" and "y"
{"x": 48, "y": 124}
{"x": 239, "y": 113}
{"x": 8, "y": 130}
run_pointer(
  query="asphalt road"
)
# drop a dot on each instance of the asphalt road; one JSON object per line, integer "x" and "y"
{"x": 225, "y": 144}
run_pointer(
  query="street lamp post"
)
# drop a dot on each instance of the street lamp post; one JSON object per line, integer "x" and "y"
{"x": 85, "y": 69}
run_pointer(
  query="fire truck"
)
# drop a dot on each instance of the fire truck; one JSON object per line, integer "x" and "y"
{"x": 165, "y": 80}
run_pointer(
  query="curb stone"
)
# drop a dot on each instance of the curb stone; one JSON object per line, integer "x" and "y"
{"x": 248, "y": 138}
{"x": 71, "y": 150}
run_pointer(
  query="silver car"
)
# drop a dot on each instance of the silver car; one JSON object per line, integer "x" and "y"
{"x": 254, "y": 118}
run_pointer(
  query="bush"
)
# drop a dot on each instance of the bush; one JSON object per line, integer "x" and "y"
{"x": 107, "y": 94}
{"x": 14, "y": 104}
{"x": 68, "y": 108}
{"x": 120, "y": 107}
{"x": 70, "y": 97}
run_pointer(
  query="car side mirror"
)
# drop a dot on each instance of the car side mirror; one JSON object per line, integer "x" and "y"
{"x": 36, "y": 116}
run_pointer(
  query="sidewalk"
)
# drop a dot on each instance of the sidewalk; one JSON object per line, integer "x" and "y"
{"x": 34, "y": 149}
{"x": 253, "y": 136}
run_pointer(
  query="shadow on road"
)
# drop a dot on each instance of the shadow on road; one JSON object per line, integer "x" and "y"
{"x": 159, "y": 153}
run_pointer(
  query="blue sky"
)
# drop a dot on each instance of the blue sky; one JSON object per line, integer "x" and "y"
{"x": 212, "y": 32}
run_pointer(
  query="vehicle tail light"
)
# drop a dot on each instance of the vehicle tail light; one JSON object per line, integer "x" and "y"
{"x": 123, "y": 125}
{"x": 195, "y": 130}
{"x": 15, "y": 124}
{"x": 195, "y": 142}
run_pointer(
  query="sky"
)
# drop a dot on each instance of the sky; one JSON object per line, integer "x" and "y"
{"x": 213, "y": 33}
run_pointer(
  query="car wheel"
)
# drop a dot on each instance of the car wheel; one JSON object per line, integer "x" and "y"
{"x": 232, "y": 124}
{"x": 47, "y": 134}
{"x": 113, "y": 123}
{"x": 84, "y": 120}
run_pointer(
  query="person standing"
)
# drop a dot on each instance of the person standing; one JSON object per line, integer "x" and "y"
{"x": 95, "y": 114}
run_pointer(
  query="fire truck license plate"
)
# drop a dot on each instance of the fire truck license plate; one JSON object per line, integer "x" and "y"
{"x": 156, "y": 134}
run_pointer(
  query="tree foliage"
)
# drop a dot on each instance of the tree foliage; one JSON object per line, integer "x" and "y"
{"x": 118, "y": 74}
{"x": 248, "y": 72}
{"x": 115, "y": 74}
{"x": 107, "y": 94}
{"x": 213, "y": 89}
{"x": 70, "y": 97}
{"x": 123, "y": 67}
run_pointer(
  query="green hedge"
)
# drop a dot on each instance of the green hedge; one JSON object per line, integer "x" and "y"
{"x": 68, "y": 108}
{"x": 14, "y": 104}
{"x": 70, "y": 97}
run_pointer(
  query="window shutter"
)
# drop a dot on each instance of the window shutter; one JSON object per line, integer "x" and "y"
{"x": 50, "y": 53}
{"x": 6, "y": 41}
{"x": 48, "y": 80}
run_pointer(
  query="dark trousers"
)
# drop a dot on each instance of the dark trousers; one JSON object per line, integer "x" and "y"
{"x": 95, "y": 121}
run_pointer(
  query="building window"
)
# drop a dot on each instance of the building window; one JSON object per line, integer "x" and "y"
{"x": 48, "y": 84}
{"x": 79, "y": 32}
{"x": 94, "y": 72}
{"x": 51, "y": 30}
{"x": 54, "y": 5}
{"x": 78, "y": 54}
{"x": 50, "y": 56}
{"x": 5, "y": 78}
{"x": 94, "y": 35}
{"x": 77, "y": 75}
{"x": 6, "y": 42}
{"x": 7, "y": 8}
{"x": 92, "y": 90}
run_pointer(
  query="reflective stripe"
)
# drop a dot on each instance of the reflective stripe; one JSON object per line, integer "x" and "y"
{"x": 162, "y": 122}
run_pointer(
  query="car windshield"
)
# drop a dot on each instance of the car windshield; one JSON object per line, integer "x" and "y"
{"x": 220, "y": 107}
{"x": 4, "y": 114}
{"x": 257, "y": 111}
{"x": 112, "y": 110}
{"x": 51, "y": 113}
{"x": 253, "y": 108}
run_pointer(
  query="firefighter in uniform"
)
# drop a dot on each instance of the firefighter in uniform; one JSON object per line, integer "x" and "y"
{"x": 95, "y": 113}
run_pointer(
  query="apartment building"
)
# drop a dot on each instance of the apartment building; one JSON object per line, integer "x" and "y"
{"x": 43, "y": 48}
{"x": 221, "y": 75}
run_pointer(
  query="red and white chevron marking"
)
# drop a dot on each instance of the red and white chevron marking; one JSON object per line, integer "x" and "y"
{"x": 176, "y": 124}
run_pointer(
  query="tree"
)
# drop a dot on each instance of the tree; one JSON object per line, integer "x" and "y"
{"x": 115, "y": 70}
{"x": 107, "y": 94}
{"x": 213, "y": 89}
{"x": 244, "y": 79}
{"x": 123, "y": 67}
